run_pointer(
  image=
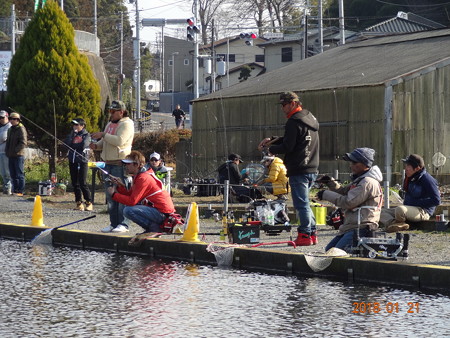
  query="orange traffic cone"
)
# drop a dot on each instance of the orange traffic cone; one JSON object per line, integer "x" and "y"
{"x": 37, "y": 219}
{"x": 193, "y": 224}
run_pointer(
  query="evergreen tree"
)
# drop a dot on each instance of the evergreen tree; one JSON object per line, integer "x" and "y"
{"x": 50, "y": 82}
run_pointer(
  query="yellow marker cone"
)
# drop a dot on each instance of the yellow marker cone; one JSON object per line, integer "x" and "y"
{"x": 37, "y": 219}
{"x": 193, "y": 224}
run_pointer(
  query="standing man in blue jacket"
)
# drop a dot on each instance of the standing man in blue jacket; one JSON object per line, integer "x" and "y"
{"x": 421, "y": 197}
{"x": 300, "y": 144}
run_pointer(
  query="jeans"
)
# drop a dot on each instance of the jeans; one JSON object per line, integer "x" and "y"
{"x": 17, "y": 174}
{"x": 345, "y": 241}
{"x": 4, "y": 171}
{"x": 115, "y": 209}
{"x": 147, "y": 217}
{"x": 78, "y": 175}
{"x": 300, "y": 186}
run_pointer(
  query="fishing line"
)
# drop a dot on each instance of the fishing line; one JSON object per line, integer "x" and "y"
{"x": 57, "y": 139}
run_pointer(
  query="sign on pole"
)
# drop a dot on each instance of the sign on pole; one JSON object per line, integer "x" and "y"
{"x": 5, "y": 62}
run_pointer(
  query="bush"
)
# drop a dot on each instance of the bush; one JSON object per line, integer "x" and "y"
{"x": 163, "y": 142}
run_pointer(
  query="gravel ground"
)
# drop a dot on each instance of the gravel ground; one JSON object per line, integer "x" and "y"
{"x": 424, "y": 247}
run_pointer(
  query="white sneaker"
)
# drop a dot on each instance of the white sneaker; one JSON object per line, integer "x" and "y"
{"x": 120, "y": 228}
{"x": 109, "y": 228}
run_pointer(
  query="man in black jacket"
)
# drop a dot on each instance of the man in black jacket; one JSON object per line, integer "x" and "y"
{"x": 300, "y": 144}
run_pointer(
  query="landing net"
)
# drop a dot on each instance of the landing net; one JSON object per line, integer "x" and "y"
{"x": 320, "y": 261}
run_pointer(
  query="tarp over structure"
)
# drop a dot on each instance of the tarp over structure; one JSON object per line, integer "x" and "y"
{"x": 388, "y": 93}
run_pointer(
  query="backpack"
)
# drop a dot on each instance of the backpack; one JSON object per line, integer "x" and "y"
{"x": 172, "y": 220}
{"x": 223, "y": 173}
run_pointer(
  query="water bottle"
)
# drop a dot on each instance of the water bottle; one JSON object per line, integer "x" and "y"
{"x": 270, "y": 217}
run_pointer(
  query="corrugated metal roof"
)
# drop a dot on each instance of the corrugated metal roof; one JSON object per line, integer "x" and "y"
{"x": 363, "y": 63}
{"x": 398, "y": 25}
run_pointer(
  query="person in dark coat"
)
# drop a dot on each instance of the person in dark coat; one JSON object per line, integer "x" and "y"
{"x": 16, "y": 143}
{"x": 421, "y": 197}
{"x": 78, "y": 143}
{"x": 300, "y": 144}
{"x": 179, "y": 115}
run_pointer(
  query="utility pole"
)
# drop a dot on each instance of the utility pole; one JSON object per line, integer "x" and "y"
{"x": 213, "y": 70}
{"x": 138, "y": 64}
{"x": 121, "y": 57}
{"x": 13, "y": 29}
{"x": 320, "y": 27}
{"x": 341, "y": 22}
{"x": 196, "y": 94}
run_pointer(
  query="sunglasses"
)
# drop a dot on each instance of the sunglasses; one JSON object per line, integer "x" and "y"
{"x": 285, "y": 104}
{"x": 14, "y": 119}
{"x": 2, "y": 117}
{"x": 154, "y": 159}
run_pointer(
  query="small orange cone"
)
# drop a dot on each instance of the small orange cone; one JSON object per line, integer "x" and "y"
{"x": 193, "y": 224}
{"x": 37, "y": 219}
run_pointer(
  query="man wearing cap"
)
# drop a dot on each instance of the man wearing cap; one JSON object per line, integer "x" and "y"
{"x": 4, "y": 163}
{"x": 300, "y": 144}
{"x": 361, "y": 200}
{"x": 16, "y": 143}
{"x": 115, "y": 144}
{"x": 147, "y": 203}
{"x": 276, "y": 181}
{"x": 421, "y": 197}
{"x": 157, "y": 166}
{"x": 230, "y": 170}
{"x": 78, "y": 144}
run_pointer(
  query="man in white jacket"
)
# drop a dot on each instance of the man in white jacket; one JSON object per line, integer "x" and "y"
{"x": 4, "y": 166}
{"x": 115, "y": 144}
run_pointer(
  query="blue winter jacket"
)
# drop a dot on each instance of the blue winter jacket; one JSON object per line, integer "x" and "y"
{"x": 422, "y": 191}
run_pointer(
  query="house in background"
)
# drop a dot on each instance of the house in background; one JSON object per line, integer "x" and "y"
{"x": 291, "y": 48}
{"x": 236, "y": 53}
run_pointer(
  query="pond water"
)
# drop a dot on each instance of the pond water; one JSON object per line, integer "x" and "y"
{"x": 61, "y": 292}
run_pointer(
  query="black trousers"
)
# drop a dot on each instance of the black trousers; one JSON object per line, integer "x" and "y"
{"x": 78, "y": 174}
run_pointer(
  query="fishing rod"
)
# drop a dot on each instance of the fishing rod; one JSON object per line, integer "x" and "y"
{"x": 83, "y": 157}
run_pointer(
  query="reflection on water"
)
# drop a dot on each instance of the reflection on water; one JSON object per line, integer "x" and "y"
{"x": 60, "y": 292}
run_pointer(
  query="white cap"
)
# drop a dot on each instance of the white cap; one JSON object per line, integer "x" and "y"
{"x": 267, "y": 158}
{"x": 155, "y": 155}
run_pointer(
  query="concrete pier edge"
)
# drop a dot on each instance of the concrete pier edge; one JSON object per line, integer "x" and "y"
{"x": 351, "y": 269}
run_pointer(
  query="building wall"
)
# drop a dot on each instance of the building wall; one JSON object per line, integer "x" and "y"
{"x": 421, "y": 119}
{"x": 349, "y": 117}
{"x": 273, "y": 54}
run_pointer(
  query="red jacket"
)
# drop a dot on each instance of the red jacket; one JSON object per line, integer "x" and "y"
{"x": 147, "y": 189}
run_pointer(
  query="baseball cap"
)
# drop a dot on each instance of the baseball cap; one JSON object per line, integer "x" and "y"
{"x": 79, "y": 121}
{"x": 288, "y": 97}
{"x": 361, "y": 155}
{"x": 155, "y": 155}
{"x": 233, "y": 157}
{"x": 414, "y": 160}
{"x": 3, "y": 113}
{"x": 14, "y": 116}
{"x": 117, "y": 105}
{"x": 128, "y": 161}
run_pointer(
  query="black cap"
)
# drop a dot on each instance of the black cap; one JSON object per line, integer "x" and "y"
{"x": 233, "y": 157}
{"x": 79, "y": 121}
{"x": 414, "y": 160}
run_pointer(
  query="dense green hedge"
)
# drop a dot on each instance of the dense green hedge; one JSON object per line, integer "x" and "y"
{"x": 163, "y": 142}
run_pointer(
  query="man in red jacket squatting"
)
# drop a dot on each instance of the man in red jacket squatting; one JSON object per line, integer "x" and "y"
{"x": 147, "y": 203}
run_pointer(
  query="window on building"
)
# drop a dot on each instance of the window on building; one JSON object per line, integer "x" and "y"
{"x": 223, "y": 57}
{"x": 186, "y": 62}
{"x": 286, "y": 54}
{"x": 200, "y": 62}
{"x": 259, "y": 58}
{"x": 170, "y": 63}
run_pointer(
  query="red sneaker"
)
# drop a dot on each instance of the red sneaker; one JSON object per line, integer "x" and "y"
{"x": 303, "y": 240}
{"x": 314, "y": 238}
